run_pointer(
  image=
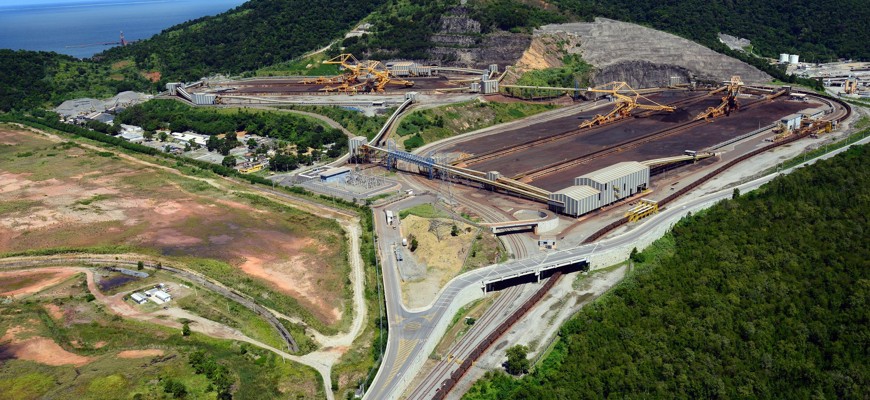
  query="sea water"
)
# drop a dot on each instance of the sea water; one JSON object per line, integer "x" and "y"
{"x": 79, "y": 27}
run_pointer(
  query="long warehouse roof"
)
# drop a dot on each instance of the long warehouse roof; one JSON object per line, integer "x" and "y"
{"x": 615, "y": 171}
{"x": 579, "y": 192}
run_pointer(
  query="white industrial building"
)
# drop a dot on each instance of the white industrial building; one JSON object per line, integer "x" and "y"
{"x": 186, "y": 137}
{"x": 575, "y": 200}
{"x": 617, "y": 181}
{"x": 139, "y": 298}
{"x": 792, "y": 121}
{"x": 162, "y": 296}
{"x": 600, "y": 188}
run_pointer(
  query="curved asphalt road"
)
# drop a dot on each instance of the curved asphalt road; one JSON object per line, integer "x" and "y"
{"x": 410, "y": 330}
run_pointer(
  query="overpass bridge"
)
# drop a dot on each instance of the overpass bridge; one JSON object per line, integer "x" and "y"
{"x": 535, "y": 273}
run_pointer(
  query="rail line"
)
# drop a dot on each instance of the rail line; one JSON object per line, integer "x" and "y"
{"x": 565, "y": 135}
{"x": 460, "y": 350}
{"x": 673, "y": 196}
{"x": 490, "y": 339}
{"x": 512, "y": 242}
{"x": 625, "y": 145}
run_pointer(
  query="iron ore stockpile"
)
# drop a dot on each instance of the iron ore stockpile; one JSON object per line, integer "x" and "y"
{"x": 551, "y": 154}
{"x": 295, "y": 86}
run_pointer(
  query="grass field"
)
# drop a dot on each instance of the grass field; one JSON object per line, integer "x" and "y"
{"x": 430, "y": 125}
{"x": 57, "y": 344}
{"x": 61, "y": 195}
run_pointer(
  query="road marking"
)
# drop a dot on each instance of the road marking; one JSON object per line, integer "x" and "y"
{"x": 405, "y": 348}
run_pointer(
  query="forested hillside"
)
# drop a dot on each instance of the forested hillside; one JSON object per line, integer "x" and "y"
{"x": 764, "y": 296}
{"x": 256, "y": 34}
{"x": 817, "y": 30}
{"x": 33, "y": 79}
{"x": 404, "y": 28}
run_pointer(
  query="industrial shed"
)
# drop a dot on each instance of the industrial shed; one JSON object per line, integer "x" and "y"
{"x": 617, "y": 181}
{"x": 575, "y": 200}
{"x": 334, "y": 174}
{"x": 792, "y": 121}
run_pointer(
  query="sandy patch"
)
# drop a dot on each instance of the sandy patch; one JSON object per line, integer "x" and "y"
{"x": 38, "y": 349}
{"x": 153, "y": 76}
{"x": 41, "y": 350}
{"x": 10, "y": 182}
{"x": 54, "y": 310}
{"x": 168, "y": 208}
{"x": 295, "y": 277}
{"x": 100, "y": 344}
{"x": 174, "y": 238}
{"x": 42, "y": 280}
{"x": 15, "y": 332}
{"x": 140, "y": 353}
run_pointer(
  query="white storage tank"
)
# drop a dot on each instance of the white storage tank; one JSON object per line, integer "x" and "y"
{"x": 793, "y": 59}
{"x": 783, "y": 58}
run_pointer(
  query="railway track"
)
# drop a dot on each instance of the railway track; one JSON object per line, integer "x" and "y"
{"x": 565, "y": 135}
{"x": 622, "y": 146}
{"x": 513, "y": 243}
{"x": 463, "y": 348}
{"x": 448, "y": 384}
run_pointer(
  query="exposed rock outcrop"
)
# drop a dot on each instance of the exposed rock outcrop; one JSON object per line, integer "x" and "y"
{"x": 641, "y": 74}
{"x": 459, "y": 42}
{"x": 645, "y": 57}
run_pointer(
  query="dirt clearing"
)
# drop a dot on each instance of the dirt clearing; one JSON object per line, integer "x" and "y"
{"x": 140, "y": 353}
{"x": 439, "y": 255}
{"x": 56, "y": 194}
{"x": 37, "y": 349}
{"x": 22, "y": 283}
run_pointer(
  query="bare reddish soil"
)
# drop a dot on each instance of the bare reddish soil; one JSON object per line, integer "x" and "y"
{"x": 78, "y": 199}
{"x": 37, "y": 349}
{"x": 29, "y": 282}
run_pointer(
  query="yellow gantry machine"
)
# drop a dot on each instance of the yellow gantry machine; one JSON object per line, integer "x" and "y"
{"x": 729, "y": 101}
{"x": 643, "y": 209}
{"x": 377, "y": 76}
{"x": 626, "y": 100}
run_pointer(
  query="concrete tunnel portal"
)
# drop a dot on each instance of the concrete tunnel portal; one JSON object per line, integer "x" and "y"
{"x": 533, "y": 276}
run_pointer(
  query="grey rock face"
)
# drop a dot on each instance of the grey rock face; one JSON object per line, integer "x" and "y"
{"x": 459, "y": 43}
{"x": 642, "y": 56}
{"x": 640, "y": 74}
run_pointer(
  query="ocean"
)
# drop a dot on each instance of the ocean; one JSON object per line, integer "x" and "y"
{"x": 80, "y": 27}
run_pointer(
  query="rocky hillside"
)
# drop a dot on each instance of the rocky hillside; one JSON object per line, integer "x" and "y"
{"x": 641, "y": 56}
{"x": 460, "y": 41}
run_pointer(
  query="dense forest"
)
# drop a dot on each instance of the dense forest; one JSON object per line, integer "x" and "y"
{"x": 173, "y": 115}
{"x": 31, "y": 79}
{"x": 817, "y": 30}
{"x": 404, "y": 28}
{"x": 256, "y": 34}
{"x": 761, "y": 296}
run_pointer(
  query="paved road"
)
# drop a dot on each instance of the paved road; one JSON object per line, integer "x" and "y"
{"x": 413, "y": 333}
